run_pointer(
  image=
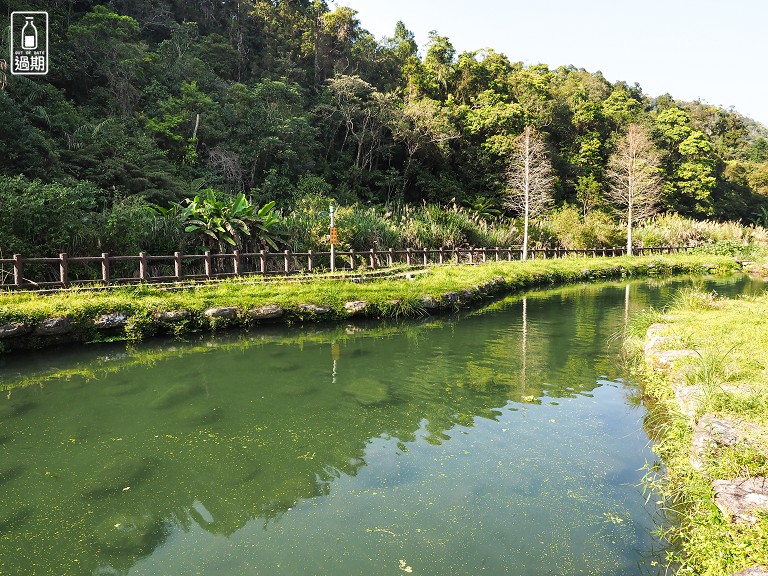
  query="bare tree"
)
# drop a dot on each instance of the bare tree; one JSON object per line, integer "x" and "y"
{"x": 228, "y": 164}
{"x": 529, "y": 179}
{"x": 633, "y": 171}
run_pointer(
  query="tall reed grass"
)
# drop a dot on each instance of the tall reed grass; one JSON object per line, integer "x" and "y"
{"x": 431, "y": 226}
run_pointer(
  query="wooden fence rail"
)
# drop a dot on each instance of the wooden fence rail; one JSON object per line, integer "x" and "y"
{"x": 19, "y": 273}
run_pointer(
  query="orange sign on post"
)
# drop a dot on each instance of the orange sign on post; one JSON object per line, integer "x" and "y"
{"x": 334, "y": 236}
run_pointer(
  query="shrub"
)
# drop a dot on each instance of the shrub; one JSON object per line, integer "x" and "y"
{"x": 364, "y": 228}
{"x": 44, "y": 219}
{"x": 596, "y": 230}
{"x": 674, "y": 230}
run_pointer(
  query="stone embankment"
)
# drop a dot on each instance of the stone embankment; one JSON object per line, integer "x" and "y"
{"x": 739, "y": 499}
{"x": 755, "y": 268}
{"x": 34, "y": 334}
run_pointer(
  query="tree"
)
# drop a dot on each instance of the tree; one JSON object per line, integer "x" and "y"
{"x": 355, "y": 110}
{"x": 695, "y": 175}
{"x": 529, "y": 179}
{"x": 108, "y": 43}
{"x": 634, "y": 175}
{"x": 439, "y": 63}
{"x": 393, "y": 56}
{"x": 623, "y": 105}
{"x": 421, "y": 124}
{"x": 267, "y": 129}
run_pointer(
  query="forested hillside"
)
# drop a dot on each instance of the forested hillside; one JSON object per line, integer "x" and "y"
{"x": 149, "y": 101}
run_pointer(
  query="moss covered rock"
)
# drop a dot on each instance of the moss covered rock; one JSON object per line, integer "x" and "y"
{"x": 368, "y": 391}
{"x": 176, "y": 396}
{"x": 129, "y": 533}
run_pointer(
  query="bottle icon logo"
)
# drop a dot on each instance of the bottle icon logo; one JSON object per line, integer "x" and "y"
{"x": 29, "y": 34}
{"x": 29, "y": 43}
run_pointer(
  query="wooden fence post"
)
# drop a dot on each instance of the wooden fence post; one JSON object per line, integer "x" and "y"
{"x": 441, "y": 255}
{"x": 177, "y": 265}
{"x": 63, "y": 269}
{"x": 391, "y": 257}
{"x": 143, "y": 266}
{"x": 236, "y": 262}
{"x": 310, "y": 261}
{"x": 351, "y": 258}
{"x": 287, "y": 261}
{"x": 426, "y": 256}
{"x": 18, "y": 270}
{"x": 208, "y": 264}
{"x": 373, "y": 259}
{"x": 485, "y": 255}
{"x": 105, "y": 267}
{"x": 263, "y": 261}
{"x": 408, "y": 256}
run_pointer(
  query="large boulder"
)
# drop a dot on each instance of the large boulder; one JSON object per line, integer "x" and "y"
{"x": 356, "y": 307}
{"x": 110, "y": 321}
{"x": 172, "y": 315}
{"x": 429, "y": 303}
{"x": 450, "y": 298}
{"x": 53, "y": 327}
{"x": 689, "y": 398}
{"x": 225, "y": 312}
{"x": 268, "y": 312}
{"x": 742, "y": 499}
{"x": 712, "y": 431}
{"x": 662, "y": 350}
{"x": 753, "y": 571}
{"x": 313, "y": 309}
{"x": 13, "y": 329}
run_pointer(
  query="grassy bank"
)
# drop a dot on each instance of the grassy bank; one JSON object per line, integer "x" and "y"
{"x": 723, "y": 381}
{"x": 60, "y": 366}
{"x": 139, "y": 308}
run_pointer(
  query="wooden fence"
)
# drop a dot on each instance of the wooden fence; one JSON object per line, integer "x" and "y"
{"x": 19, "y": 273}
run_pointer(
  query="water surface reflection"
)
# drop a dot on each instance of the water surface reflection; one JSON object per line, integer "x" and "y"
{"x": 499, "y": 439}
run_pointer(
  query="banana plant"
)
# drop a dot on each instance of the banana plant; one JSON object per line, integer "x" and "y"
{"x": 761, "y": 216}
{"x": 222, "y": 222}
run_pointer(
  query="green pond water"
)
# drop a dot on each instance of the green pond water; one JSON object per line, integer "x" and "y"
{"x": 502, "y": 440}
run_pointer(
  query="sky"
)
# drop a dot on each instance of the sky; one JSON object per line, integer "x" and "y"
{"x": 715, "y": 51}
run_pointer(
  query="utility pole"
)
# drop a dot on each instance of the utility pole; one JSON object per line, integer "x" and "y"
{"x": 334, "y": 235}
{"x": 334, "y": 238}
